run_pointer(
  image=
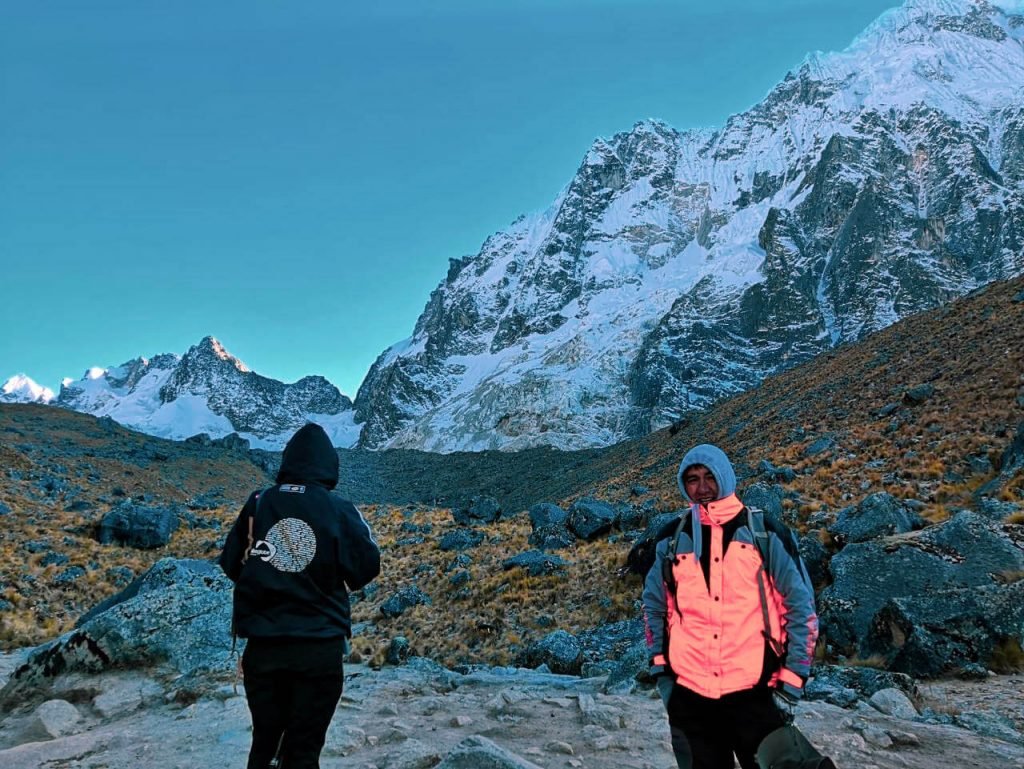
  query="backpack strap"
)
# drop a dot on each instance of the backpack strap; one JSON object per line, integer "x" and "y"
{"x": 245, "y": 557}
{"x": 755, "y": 520}
{"x": 252, "y": 523}
{"x": 673, "y": 545}
{"x": 667, "y": 574}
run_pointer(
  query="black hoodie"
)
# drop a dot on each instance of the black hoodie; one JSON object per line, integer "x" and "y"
{"x": 309, "y": 548}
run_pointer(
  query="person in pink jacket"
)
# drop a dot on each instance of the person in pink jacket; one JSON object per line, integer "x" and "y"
{"x": 729, "y": 665}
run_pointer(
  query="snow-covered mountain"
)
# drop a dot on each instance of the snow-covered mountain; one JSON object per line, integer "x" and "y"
{"x": 677, "y": 268}
{"x": 207, "y": 390}
{"x": 23, "y": 389}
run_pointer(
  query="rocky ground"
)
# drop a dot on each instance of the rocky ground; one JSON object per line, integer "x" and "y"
{"x": 418, "y": 715}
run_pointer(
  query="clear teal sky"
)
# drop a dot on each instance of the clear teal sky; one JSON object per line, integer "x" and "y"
{"x": 293, "y": 177}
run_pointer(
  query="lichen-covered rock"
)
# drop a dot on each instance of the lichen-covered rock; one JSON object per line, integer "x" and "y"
{"x": 854, "y": 682}
{"x": 546, "y": 514}
{"x": 481, "y": 509}
{"x": 764, "y": 497}
{"x": 478, "y": 752}
{"x": 561, "y": 651}
{"x": 177, "y": 615}
{"x": 815, "y": 556}
{"x": 591, "y": 518}
{"x": 877, "y": 515}
{"x": 138, "y": 526}
{"x": 461, "y": 539}
{"x": 398, "y": 650}
{"x": 552, "y": 537}
{"x": 945, "y": 631}
{"x": 967, "y": 550}
{"x": 536, "y": 563}
{"x": 404, "y": 599}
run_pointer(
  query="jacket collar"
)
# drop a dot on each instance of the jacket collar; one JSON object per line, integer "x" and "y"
{"x": 721, "y": 511}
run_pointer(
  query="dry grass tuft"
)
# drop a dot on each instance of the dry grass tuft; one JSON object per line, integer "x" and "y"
{"x": 1007, "y": 657}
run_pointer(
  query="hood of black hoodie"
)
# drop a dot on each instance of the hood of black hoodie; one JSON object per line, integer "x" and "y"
{"x": 309, "y": 457}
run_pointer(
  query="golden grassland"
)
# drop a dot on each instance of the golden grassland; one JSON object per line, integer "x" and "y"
{"x": 971, "y": 352}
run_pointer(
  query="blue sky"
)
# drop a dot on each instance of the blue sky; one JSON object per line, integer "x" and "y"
{"x": 293, "y": 178}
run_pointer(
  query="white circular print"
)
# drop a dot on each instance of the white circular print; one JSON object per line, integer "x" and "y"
{"x": 293, "y": 545}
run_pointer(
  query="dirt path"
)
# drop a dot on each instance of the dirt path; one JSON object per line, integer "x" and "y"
{"x": 411, "y": 717}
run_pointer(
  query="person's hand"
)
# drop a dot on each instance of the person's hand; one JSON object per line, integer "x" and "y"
{"x": 665, "y": 685}
{"x": 785, "y": 702}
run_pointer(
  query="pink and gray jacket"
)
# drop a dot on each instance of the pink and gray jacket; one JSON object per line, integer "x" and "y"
{"x": 707, "y": 629}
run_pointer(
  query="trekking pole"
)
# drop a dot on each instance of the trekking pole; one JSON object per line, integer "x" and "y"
{"x": 275, "y": 762}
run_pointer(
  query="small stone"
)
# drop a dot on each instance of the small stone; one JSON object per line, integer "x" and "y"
{"x": 877, "y": 737}
{"x": 557, "y": 746}
{"x": 398, "y": 651}
{"x": 344, "y": 740}
{"x": 904, "y": 739}
{"x": 52, "y": 719}
{"x": 413, "y": 755}
{"x": 461, "y": 721}
{"x": 894, "y": 703}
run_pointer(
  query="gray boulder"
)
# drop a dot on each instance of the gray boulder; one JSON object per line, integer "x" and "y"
{"x": 989, "y": 724}
{"x": 398, "y": 650}
{"x": 553, "y": 537}
{"x": 815, "y": 556}
{"x": 632, "y": 666}
{"x": 404, "y": 599}
{"x": 478, "y": 752}
{"x": 1011, "y": 461}
{"x": 176, "y": 616}
{"x": 893, "y": 702}
{"x": 51, "y": 720}
{"x": 481, "y": 509}
{"x": 844, "y": 686}
{"x": 631, "y": 516}
{"x": 918, "y": 394}
{"x": 461, "y": 539}
{"x": 946, "y": 631}
{"x": 137, "y": 526}
{"x": 877, "y": 515}
{"x": 772, "y": 473}
{"x": 611, "y": 640}
{"x": 964, "y": 551}
{"x": 546, "y": 514}
{"x": 536, "y": 563}
{"x": 560, "y": 651}
{"x": 764, "y": 497}
{"x": 591, "y": 518}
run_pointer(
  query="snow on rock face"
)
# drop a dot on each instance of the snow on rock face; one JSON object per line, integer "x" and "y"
{"x": 207, "y": 390}
{"x": 677, "y": 268}
{"x": 23, "y": 389}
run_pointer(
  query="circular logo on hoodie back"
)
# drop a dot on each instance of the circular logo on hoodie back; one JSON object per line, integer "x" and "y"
{"x": 290, "y": 545}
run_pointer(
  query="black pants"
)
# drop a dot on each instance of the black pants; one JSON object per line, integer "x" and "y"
{"x": 293, "y": 687}
{"x": 706, "y": 733}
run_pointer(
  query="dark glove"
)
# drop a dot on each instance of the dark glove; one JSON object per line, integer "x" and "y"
{"x": 785, "y": 703}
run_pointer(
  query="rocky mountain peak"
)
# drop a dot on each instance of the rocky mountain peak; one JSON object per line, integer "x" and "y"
{"x": 676, "y": 268}
{"x": 209, "y": 390}
{"x": 21, "y": 388}
{"x": 210, "y": 349}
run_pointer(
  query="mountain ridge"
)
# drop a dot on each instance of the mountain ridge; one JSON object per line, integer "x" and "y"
{"x": 209, "y": 390}
{"x": 842, "y": 202}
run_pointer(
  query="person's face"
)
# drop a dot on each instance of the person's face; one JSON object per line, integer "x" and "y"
{"x": 700, "y": 484}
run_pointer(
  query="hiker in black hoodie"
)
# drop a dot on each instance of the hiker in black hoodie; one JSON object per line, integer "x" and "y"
{"x": 294, "y": 553}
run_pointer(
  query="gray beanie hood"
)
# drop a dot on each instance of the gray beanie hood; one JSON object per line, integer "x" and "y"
{"x": 715, "y": 460}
